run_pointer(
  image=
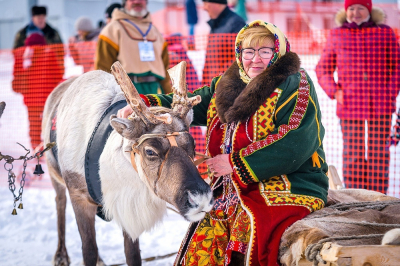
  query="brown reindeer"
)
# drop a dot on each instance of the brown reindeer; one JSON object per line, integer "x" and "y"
{"x": 147, "y": 160}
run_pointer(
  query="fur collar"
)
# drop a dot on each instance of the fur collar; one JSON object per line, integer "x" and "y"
{"x": 236, "y": 102}
{"x": 377, "y": 16}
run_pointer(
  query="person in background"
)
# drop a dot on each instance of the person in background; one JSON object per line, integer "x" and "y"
{"x": 133, "y": 40}
{"x": 192, "y": 19}
{"x": 39, "y": 24}
{"x": 36, "y": 73}
{"x": 85, "y": 31}
{"x": 240, "y": 9}
{"x": 100, "y": 24}
{"x": 191, "y": 15}
{"x": 366, "y": 55}
{"x": 222, "y": 20}
{"x": 265, "y": 137}
{"x": 109, "y": 11}
{"x": 82, "y": 45}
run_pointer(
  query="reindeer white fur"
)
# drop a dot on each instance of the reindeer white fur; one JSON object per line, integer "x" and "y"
{"x": 135, "y": 216}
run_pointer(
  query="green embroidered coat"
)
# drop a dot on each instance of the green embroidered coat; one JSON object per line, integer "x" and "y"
{"x": 277, "y": 156}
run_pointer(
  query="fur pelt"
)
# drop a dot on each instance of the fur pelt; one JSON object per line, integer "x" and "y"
{"x": 341, "y": 222}
{"x": 236, "y": 102}
{"x": 377, "y": 16}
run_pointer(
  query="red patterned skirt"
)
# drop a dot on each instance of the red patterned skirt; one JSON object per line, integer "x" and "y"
{"x": 230, "y": 227}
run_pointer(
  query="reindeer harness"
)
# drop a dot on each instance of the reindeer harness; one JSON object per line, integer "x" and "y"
{"x": 172, "y": 141}
{"x": 181, "y": 105}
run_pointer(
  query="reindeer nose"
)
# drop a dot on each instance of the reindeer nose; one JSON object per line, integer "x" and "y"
{"x": 199, "y": 205}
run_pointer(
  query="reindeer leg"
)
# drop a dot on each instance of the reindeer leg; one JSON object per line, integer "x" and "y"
{"x": 61, "y": 257}
{"x": 85, "y": 213}
{"x": 132, "y": 251}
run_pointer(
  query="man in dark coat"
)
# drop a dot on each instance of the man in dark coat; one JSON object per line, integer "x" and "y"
{"x": 223, "y": 20}
{"x": 38, "y": 23}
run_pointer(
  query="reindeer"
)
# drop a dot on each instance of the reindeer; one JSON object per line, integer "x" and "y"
{"x": 147, "y": 160}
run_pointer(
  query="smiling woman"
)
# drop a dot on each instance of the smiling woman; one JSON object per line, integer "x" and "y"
{"x": 257, "y": 51}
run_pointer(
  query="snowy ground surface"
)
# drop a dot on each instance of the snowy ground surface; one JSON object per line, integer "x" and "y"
{"x": 30, "y": 238}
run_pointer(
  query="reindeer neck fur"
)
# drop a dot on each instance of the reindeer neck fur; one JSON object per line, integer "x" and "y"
{"x": 136, "y": 210}
{"x": 93, "y": 93}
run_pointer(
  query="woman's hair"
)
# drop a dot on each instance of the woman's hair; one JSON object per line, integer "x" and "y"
{"x": 256, "y": 36}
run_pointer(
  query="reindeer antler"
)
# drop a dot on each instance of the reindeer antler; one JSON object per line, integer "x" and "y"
{"x": 133, "y": 98}
{"x": 181, "y": 104}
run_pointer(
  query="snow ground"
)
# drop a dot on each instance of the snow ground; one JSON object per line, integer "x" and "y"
{"x": 30, "y": 237}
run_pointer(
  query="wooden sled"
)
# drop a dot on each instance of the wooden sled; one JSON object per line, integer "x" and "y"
{"x": 334, "y": 179}
{"x": 369, "y": 253}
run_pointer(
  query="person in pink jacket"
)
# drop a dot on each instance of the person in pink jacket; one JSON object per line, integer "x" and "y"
{"x": 366, "y": 56}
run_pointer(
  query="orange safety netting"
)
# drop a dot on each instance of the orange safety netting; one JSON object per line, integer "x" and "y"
{"x": 363, "y": 65}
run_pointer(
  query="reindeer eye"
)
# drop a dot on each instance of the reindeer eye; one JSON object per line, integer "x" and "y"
{"x": 150, "y": 152}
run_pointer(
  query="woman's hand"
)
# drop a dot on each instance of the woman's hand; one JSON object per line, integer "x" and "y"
{"x": 220, "y": 165}
{"x": 125, "y": 112}
{"x": 339, "y": 96}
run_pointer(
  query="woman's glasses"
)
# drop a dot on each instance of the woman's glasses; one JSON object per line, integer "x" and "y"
{"x": 264, "y": 53}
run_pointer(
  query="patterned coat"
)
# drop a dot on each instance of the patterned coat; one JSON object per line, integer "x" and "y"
{"x": 277, "y": 156}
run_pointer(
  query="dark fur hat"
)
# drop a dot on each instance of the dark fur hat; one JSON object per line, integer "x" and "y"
{"x": 39, "y": 10}
{"x": 111, "y": 8}
{"x": 224, "y": 2}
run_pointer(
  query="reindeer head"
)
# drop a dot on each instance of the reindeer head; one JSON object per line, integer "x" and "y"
{"x": 162, "y": 149}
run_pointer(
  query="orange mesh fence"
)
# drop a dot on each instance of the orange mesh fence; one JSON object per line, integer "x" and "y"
{"x": 367, "y": 65}
{"x": 356, "y": 76}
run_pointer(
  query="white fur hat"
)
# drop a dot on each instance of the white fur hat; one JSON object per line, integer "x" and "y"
{"x": 83, "y": 24}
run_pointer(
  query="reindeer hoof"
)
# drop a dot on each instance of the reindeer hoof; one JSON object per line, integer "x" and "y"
{"x": 100, "y": 262}
{"x": 61, "y": 259}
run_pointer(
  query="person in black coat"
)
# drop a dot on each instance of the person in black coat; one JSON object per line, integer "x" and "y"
{"x": 38, "y": 24}
{"x": 223, "y": 20}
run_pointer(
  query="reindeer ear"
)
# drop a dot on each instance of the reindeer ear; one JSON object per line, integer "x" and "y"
{"x": 189, "y": 117}
{"x": 129, "y": 129}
